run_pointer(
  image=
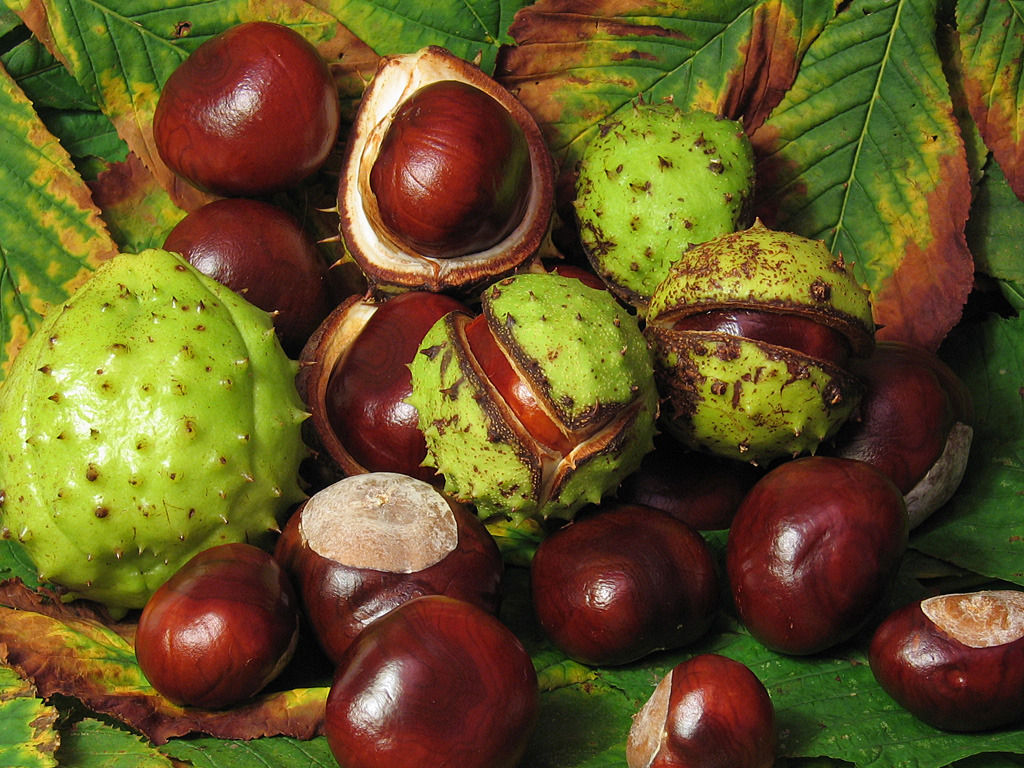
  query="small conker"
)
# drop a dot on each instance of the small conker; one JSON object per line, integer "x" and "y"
{"x": 617, "y": 585}
{"x": 220, "y": 629}
{"x": 260, "y": 251}
{"x": 452, "y": 175}
{"x": 956, "y": 662}
{"x": 251, "y": 111}
{"x": 436, "y": 682}
{"x": 709, "y": 711}
{"x": 370, "y": 542}
{"x": 813, "y": 550}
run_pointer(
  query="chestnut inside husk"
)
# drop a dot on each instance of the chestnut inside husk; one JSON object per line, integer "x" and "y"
{"x": 469, "y": 157}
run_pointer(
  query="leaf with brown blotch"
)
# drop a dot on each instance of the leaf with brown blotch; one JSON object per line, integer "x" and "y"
{"x": 865, "y": 153}
{"x": 138, "y": 211}
{"x": 122, "y": 51}
{"x": 992, "y": 51}
{"x": 576, "y": 63}
{"x": 28, "y": 736}
{"x": 93, "y": 663}
{"x": 14, "y": 593}
{"x": 51, "y": 236}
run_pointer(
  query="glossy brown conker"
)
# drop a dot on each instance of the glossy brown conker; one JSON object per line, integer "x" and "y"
{"x": 260, "y": 251}
{"x": 436, "y": 682}
{"x": 913, "y": 423}
{"x": 614, "y": 586}
{"x": 365, "y": 399}
{"x": 452, "y": 175}
{"x": 813, "y": 550}
{"x": 709, "y": 711}
{"x": 371, "y": 542}
{"x": 956, "y": 662}
{"x": 252, "y": 110}
{"x": 220, "y": 629}
{"x": 447, "y": 183}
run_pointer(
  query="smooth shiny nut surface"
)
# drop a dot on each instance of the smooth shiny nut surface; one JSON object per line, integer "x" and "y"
{"x": 369, "y": 543}
{"x": 453, "y": 172}
{"x": 220, "y": 629}
{"x": 436, "y": 682}
{"x": 813, "y": 551}
{"x": 955, "y": 661}
{"x": 622, "y": 583}
{"x": 251, "y": 111}
{"x": 709, "y": 711}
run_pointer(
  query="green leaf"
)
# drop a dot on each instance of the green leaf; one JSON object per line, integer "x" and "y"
{"x": 90, "y": 743}
{"x": 992, "y": 46}
{"x": 865, "y": 154}
{"x": 996, "y": 227}
{"x": 16, "y": 564}
{"x": 280, "y": 752}
{"x": 470, "y": 29}
{"x": 44, "y": 79}
{"x": 981, "y": 529}
{"x": 51, "y": 233}
{"x": 574, "y": 65}
{"x": 27, "y": 736}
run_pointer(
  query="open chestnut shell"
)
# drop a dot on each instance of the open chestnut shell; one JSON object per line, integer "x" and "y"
{"x": 446, "y": 191}
{"x": 371, "y": 542}
{"x": 956, "y": 661}
{"x": 354, "y": 378}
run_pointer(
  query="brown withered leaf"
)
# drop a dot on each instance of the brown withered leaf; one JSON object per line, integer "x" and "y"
{"x": 88, "y": 660}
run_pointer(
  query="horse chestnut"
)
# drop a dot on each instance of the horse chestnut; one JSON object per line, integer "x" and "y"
{"x": 913, "y": 423}
{"x": 955, "y": 662}
{"x": 368, "y": 543}
{"x": 453, "y": 174}
{"x": 365, "y": 396}
{"x": 436, "y": 682}
{"x": 709, "y": 711}
{"x": 220, "y": 629}
{"x": 260, "y": 251}
{"x": 251, "y": 111}
{"x": 813, "y": 549}
{"x": 624, "y": 582}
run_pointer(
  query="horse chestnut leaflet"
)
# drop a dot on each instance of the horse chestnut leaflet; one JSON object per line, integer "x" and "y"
{"x": 709, "y": 711}
{"x": 813, "y": 549}
{"x": 436, "y": 682}
{"x": 624, "y": 582}
{"x": 220, "y": 629}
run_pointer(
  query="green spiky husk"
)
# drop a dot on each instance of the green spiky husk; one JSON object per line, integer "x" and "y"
{"x": 745, "y": 400}
{"x": 584, "y": 354}
{"x": 152, "y": 415}
{"x": 655, "y": 180}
